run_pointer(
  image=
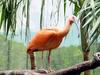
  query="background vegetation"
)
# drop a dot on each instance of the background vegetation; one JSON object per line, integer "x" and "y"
{"x": 12, "y": 54}
{"x": 60, "y": 58}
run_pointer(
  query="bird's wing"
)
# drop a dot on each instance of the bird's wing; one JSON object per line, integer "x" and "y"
{"x": 52, "y": 29}
{"x": 43, "y": 37}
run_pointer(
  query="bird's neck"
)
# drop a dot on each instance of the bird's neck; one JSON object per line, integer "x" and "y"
{"x": 66, "y": 28}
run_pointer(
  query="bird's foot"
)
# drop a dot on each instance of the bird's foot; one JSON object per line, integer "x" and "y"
{"x": 33, "y": 67}
{"x": 41, "y": 67}
{"x": 43, "y": 71}
{"x": 50, "y": 70}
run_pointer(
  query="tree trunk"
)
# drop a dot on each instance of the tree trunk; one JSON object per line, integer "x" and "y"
{"x": 8, "y": 54}
{"x": 84, "y": 43}
{"x": 86, "y": 58}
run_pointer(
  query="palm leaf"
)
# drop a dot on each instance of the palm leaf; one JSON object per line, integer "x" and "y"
{"x": 77, "y": 6}
{"x": 86, "y": 16}
{"x": 94, "y": 38}
{"x": 84, "y": 8}
{"x": 2, "y": 15}
{"x": 8, "y": 15}
{"x": 81, "y": 11}
{"x": 95, "y": 28}
{"x": 58, "y": 10}
{"x": 64, "y": 7}
{"x": 88, "y": 21}
{"x": 97, "y": 11}
{"x": 41, "y": 15}
{"x": 27, "y": 21}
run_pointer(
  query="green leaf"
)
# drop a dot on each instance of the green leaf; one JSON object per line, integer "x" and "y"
{"x": 94, "y": 29}
{"x": 84, "y": 9}
{"x": 97, "y": 11}
{"x": 64, "y": 7}
{"x": 97, "y": 4}
{"x": 88, "y": 21}
{"x": 41, "y": 15}
{"x": 2, "y": 15}
{"x": 8, "y": 26}
{"x": 85, "y": 3}
{"x": 86, "y": 16}
{"x": 76, "y": 9}
{"x": 92, "y": 4}
{"x": 94, "y": 38}
{"x": 27, "y": 21}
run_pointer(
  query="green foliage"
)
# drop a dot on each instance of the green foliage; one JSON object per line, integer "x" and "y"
{"x": 90, "y": 20}
{"x": 76, "y": 6}
{"x": 41, "y": 16}
{"x": 64, "y": 7}
{"x": 8, "y": 16}
{"x": 88, "y": 11}
{"x": 27, "y": 19}
{"x": 60, "y": 58}
{"x": 8, "y": 13}
{"x": 17, "y": 55}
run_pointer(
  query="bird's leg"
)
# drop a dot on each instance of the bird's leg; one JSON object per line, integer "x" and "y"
{"x": 42, "y": 60}
{"x": 32, "y": 59}
{"x": 49, "y": 60}
{"x": 42, "y": 55}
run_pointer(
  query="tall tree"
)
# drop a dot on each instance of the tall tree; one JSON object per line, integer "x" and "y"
{"x": 88, "y": 12}
{"x": 8, "y": 19}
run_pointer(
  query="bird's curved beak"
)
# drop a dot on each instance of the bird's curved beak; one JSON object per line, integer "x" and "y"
{"x": 77, "y": 23}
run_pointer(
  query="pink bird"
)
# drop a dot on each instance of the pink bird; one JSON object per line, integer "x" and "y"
{"x": 48, "y": 39}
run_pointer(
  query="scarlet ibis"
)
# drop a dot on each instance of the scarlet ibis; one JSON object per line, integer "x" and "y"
{"x": 48, "y": 39}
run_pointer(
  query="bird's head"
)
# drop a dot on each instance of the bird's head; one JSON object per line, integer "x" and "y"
{"x": 75, "y": 20}
{"x": 71, "y": 19}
